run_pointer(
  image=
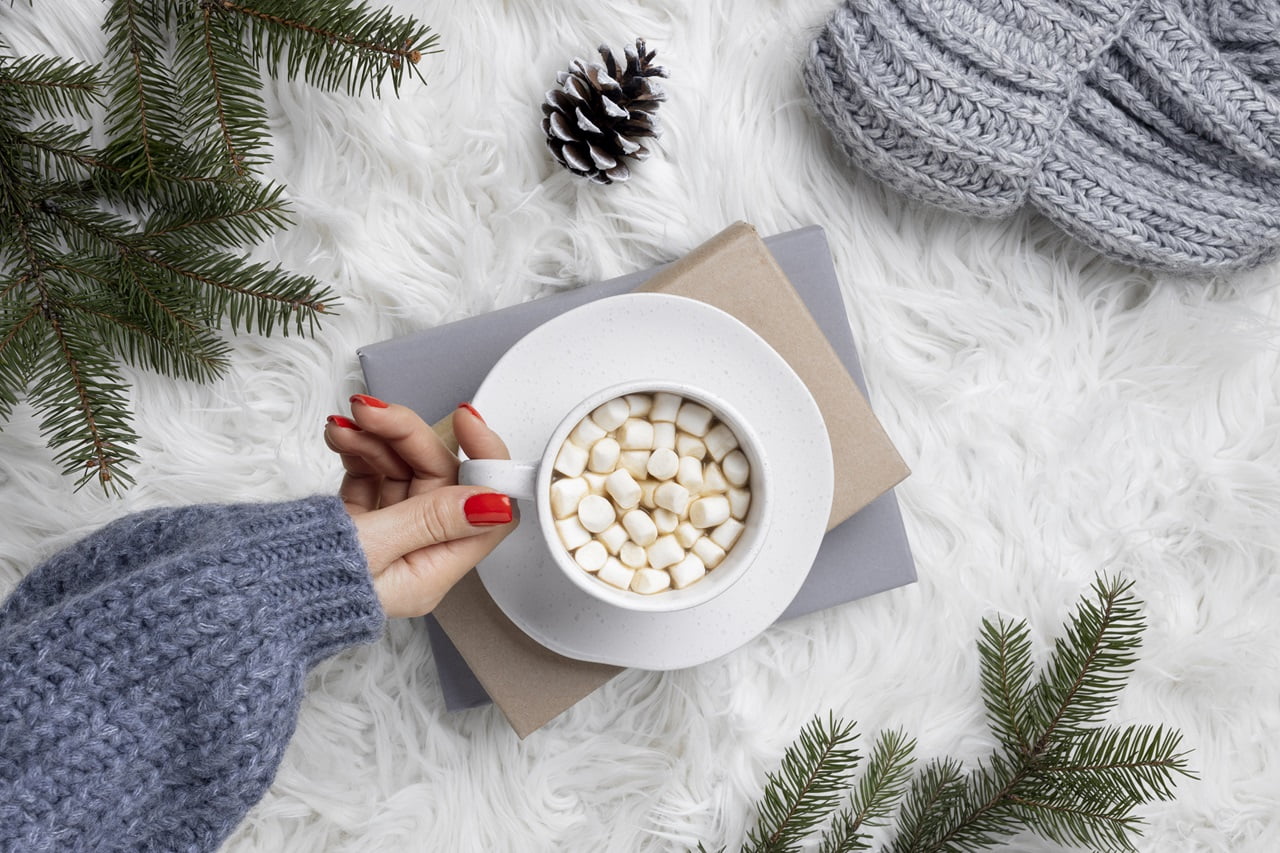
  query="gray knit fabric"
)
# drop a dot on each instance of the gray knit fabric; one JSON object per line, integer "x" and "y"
{"x": 1149, "y": 129}
{"x": 151, "y": 674}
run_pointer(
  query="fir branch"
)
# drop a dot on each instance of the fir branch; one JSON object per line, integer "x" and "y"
{"x": 18, "y": 341}
{"x": 340, "y": 45}
{"x": 131, "y": 253}
{"x": 806, "y": 789}
{"x": 250, "y": 295}
{"x": 82, "y": 397}
{"x": 1140, "y": 760}
{"x": 49, "y": 85}
{"x": 1080, "y": 820}
{"x": 933, "y": 792}
{"x": 1054, "y": 773}
{"x": 143, "y": 117}
{"x": 222, "y": 85}
{"x": 142, "y": 327}
{"x": 58, "y": 152}
{"x": 254, "y": 296}
{"x": 1090, "y": 665}
{"x": 217, "y": 215}
{"x": 877, "y": 794}
{"x": 1005, "y": 652}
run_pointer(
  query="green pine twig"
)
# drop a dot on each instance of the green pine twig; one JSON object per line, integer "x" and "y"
{"x": 877, "y": 794}
{"x": 132, "y": 253}
{"x": 807, "y": 788}
{"x": 1055, "y": 771}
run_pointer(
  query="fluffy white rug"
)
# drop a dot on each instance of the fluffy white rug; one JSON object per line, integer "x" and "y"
{"x": 1063, "y": 415}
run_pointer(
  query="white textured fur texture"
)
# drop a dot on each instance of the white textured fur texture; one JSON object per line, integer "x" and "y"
{"x": 1063, "y": 416}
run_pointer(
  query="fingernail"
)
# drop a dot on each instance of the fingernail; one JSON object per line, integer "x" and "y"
{"x": 472, "y": 409}
{"x": 345, "y": 423}
{"x": 368, "y": 401}
{"x": 487, "y": 508}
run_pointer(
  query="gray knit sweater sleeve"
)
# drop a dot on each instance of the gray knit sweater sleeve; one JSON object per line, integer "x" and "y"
{"x": 151, "y": 674}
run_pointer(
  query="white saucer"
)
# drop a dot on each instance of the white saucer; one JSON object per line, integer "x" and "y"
{"x": 656, "y": 336}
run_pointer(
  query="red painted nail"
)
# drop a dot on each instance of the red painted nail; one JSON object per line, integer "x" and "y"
{"x": 472, "y": 409}
{"x": 345, "y": 423}
{"x": 487, "y": 508}
{"x": 368, "y": 401}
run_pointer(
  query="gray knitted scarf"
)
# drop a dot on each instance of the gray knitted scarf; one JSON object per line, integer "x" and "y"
{"x": 1150, "y": 129}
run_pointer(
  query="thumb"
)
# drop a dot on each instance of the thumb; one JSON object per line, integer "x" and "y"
{"x": 440, "y": 515}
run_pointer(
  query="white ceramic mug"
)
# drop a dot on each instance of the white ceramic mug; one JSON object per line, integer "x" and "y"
{"x": 530, "y": 481}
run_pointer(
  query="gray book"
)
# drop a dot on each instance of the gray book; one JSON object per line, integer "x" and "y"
{"x": 866, "y": 554}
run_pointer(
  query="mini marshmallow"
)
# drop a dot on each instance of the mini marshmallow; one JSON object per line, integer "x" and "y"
{"x": 632, "y": 555}
{"x": 587, "y": 433}
{"x": 665, "y": 407}
{"x": 638, "y": 405}
{"x": 739, "y": 502}
{"x": 611, "y": 415}
{"x": 719, "y": 441}
{"x": 565, "y": 494}
{"x": 709, "y": 511}
{"x": 672, "y": 497}
{"x": 687, "y": 534}
{"x": 572, "y": 534}
{"x": 726, "y": 534}
{"x": 736, "y": 468}
{"x": 664, "y": 435}
{"x": 623, "y": 488}
{"x": 591, "y": 556}
{"x": 612, "y": 538}
{"x": 571, "y": 460}
{"x": 663, "y": 463}
{"x": 595, "y": 482}
{"x": 690, "y": 445}
{"x": 688, "y": 570}
{"x": 636, "y": 462}
{"x": 665, "y": 520}
{"x": 649, "y": 581}
{"x": 689, "y": 474}
{"x": 636, "y": 434}
{"x": 640, "y": 527}
{"x": 648, "y": 488}
{"x": 708, "y": 552}
{"x": 595, "y": 513}
{"x": 665, "y": 551}
{"x": 693, "y": 418}
{"x": 616, "y": 574}
{"x": 713, "y": 481}
{"x": 604, "y": 456}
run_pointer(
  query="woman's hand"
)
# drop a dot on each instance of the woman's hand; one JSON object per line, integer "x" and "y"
{"x": 420, "y": 530}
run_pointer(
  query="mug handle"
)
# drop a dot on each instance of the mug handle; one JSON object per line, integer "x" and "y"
{"x": 514, "y": 479}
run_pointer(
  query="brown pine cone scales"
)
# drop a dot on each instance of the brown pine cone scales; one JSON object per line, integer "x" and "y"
{"x": 600, "y": 114}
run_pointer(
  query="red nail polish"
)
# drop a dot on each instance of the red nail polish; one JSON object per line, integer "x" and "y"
{"x": 368, "y": 401}
{"x": 487, "y": 508}
{"x": 472, "y": 409}
{"x": 345, "y": 423}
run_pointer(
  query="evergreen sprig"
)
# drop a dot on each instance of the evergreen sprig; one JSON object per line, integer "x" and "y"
{"x": 1056, "y": 771}
{"x": 132, "y": 253}
{"x": 807, "y": 788}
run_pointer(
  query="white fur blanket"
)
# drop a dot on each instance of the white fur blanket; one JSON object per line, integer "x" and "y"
{"x": 1063, "y": 416}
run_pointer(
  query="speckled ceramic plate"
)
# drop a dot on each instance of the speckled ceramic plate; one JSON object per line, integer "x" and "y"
{"x": 656, "y": 336}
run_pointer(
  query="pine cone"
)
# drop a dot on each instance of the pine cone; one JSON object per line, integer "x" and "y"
{"x": 594, "y": 120}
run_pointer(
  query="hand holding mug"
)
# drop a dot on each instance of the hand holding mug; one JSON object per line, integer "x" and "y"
{"x": 420, "y": 530}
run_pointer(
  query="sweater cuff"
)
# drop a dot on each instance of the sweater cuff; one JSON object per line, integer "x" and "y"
{"x": 316, "y": 574}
